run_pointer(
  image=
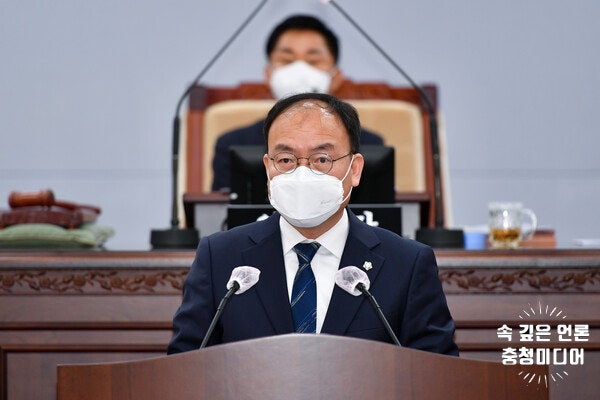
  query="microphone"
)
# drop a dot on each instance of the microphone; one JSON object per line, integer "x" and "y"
{"x": 242, "y": 279}
{"x": 356, "y": 282}
{"x": 175, "y": 237}
{"x": 438, "y": 236}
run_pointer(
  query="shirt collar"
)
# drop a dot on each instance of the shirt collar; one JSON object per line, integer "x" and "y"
{"x": 333, "y": 240}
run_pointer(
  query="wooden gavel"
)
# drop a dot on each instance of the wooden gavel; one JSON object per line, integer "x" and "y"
{"x": 45, "y": 198}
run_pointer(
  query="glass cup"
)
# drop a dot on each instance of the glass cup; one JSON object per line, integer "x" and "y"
{"x": 510, "y": 223}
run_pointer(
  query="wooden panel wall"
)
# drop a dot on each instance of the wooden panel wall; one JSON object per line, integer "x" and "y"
{"x": 85, "y": 307}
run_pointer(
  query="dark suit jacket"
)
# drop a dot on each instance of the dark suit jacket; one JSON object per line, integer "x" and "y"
{"x": 253, "y": 135}
{"x": 404, "y": 280}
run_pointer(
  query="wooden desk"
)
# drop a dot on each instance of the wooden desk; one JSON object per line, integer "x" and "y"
{"x": 75, "y": 307}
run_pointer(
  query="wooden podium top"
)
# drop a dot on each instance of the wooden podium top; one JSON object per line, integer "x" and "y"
{"x": 300, "y": 366}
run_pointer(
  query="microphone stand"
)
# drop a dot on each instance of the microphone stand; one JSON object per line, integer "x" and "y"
{"x": 360, "y": 286}
{"x": 176, "y": 237}
{"x": 438, "y": 236}
{"x": 220, "y": 308}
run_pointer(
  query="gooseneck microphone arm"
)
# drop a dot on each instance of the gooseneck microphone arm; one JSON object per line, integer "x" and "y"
{"x": 437, "y": 236}
{"x": 360, "y": 286}
{"x": 177, "y": 121}
{"x": 422, "y": 93}
{"x": 439, "y": 216}
{"x": 187, "y": 238}
{"x": 356, "y": 282}
{"x": 242, "y": 278}
{"x": 220, "y": 308}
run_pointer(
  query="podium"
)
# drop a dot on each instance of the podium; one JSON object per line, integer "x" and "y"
{"x": 299, "y": 366}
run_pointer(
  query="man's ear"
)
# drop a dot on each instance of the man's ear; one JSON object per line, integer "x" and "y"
{"x": 266, "y": 163}
{"x": 356, "y": 168}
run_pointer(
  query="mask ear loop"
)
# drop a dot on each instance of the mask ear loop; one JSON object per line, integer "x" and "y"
{"x": 342, "y": 180}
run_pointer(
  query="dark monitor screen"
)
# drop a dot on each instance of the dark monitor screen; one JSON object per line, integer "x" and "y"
{"x": 248, "y": 175}
{"x": 249, "y": 179}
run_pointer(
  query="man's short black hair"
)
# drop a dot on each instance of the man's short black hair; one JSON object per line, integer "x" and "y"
{"x": 346, "y": 112}
{"x": 307, "y": 23}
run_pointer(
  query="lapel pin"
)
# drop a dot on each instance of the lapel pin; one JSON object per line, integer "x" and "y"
{"x": 367, "y": 265}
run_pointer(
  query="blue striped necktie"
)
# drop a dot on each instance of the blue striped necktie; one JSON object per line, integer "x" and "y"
{"x": 304, "y": 291}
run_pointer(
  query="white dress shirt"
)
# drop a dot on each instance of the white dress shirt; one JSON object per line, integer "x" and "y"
{"x": 324, "y": 264}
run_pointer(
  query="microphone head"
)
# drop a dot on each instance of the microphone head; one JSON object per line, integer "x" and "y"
{"x": 245, "y": 276}
{"x": 349, "y": 277}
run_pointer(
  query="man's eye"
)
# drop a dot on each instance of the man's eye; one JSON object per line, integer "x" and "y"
{"x": 314, "y": 61}
{"x": 320, "y": 159}
{"x": 284, "y": 160}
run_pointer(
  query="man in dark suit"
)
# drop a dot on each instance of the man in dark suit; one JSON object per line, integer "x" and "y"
{"x": 313, "y": 162}
{"x": 303, "y": 54}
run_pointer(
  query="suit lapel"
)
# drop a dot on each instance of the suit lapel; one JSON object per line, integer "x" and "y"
{"x": 358, "y": 250}
{"x": 267, "y": 256}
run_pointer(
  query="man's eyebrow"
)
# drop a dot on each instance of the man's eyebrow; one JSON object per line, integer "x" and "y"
{"x": 316, "y": 51}
{"x": 323, "y": 147}
{"x": 289, "y": 50}
{"x": 285, "y": 49}
{"x": 282, "y": 147}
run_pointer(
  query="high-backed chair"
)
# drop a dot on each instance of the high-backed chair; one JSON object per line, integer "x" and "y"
{"x": 396, "y": 113}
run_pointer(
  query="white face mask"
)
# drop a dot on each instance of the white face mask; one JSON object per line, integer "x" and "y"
{"x": 306, "y": 199}
{"x": 298, "y": 77}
